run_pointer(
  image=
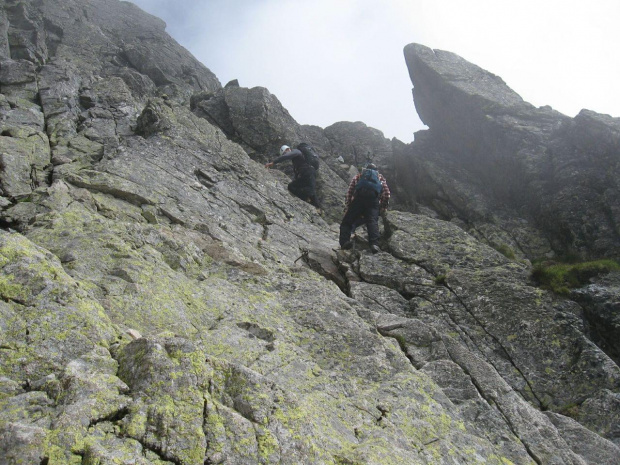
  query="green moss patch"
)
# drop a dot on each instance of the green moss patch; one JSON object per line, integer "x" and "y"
{"x": 506, "y": 251}
{"x": 561, "y": 277}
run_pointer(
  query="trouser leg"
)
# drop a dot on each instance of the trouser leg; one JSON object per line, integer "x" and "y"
{"x": 346, "y": 226}
{"x": 304, "y": 187}
{"x": 369, "y": 209}
{"x": 296, "y": 188}
{"x": 372, "y": 224}
{"x": 310, "y": 182}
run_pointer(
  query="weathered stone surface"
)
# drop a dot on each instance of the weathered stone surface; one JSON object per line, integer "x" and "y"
{"x": 4, "y": 36}
{"x": 584, "y": 442}
{"x": 24, "y": 156}
{"x": 509, "y": 160}
{"x": 22, "y": 443}
{"x": 165, "y": 299}
{"x": 18, "y": 79}
{"x": 50, "y": 319}
{"x": 379, "y": 299}
{"x": 600, "y": 413}
{"x": 486, "y": 285}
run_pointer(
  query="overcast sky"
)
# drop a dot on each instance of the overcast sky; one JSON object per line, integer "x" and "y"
{"x": 342, "y": 60}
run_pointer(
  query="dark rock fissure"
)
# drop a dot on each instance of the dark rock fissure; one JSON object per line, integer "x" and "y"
{"x": 113, "y": 417}
{"x": 601, "y": 335}
{"x": 500, "y": 345}
{"x": 506, "y": 418}
{"x": 159, "y": 452}
{"x": 130, "y": 197}
{"x": 402, "y": 345}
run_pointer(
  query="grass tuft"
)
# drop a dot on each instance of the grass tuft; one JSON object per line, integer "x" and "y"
{"x": 562, "y": 277}
{"x": 506, "y": 251}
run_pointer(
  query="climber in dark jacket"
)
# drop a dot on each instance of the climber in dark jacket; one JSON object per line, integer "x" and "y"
{"x": 304, "y": 184}
{"x": 365, "y": 200}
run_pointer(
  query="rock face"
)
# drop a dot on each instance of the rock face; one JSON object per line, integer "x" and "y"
{"x": 556, "y": 176}
{"x": 165, "y": 300}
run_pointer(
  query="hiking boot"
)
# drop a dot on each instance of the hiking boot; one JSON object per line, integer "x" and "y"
{"x": 375, "y": 248}
{"x": 347, "y": 245}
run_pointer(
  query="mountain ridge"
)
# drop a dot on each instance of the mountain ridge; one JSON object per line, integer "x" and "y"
{"x": 166, "y": 300}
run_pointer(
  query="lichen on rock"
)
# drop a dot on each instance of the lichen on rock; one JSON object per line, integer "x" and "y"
{"x": 166, "y": 300}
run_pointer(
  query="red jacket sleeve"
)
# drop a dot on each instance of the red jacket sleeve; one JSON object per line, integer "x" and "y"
{"x": 351, "y": 190}
{"x": 384, "y": 200}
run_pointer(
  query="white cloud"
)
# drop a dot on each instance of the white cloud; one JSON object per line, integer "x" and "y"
{"x": 330, "y": 61}
{"x": 551, "y": 52}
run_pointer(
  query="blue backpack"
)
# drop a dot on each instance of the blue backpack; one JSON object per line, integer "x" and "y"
{"x": 369, "y": 181}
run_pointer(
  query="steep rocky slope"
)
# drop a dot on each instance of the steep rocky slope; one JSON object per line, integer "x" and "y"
{"x": 165, "y": 300}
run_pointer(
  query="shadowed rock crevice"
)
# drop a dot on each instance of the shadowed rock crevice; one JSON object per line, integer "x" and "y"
{"x": 505, "y": 353}
{"x": 114, "y": 417}
{"x": 600, "y": 304}
{"x": 532, "y": 453}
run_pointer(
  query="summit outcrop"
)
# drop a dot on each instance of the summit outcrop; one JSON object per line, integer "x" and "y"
{"x": 511, "y": 162}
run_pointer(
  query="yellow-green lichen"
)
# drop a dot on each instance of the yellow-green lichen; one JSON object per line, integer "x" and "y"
{"x": 9, "y": 290}
{"x": 268, "y": 445}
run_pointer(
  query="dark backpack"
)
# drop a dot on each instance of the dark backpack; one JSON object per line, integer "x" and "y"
{"x": 309, "y": 154}
{"x": 369, "y": 182}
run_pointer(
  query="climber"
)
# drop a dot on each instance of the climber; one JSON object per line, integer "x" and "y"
{"x": 367, "y": 197}
{"x": 304, "y": 184}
